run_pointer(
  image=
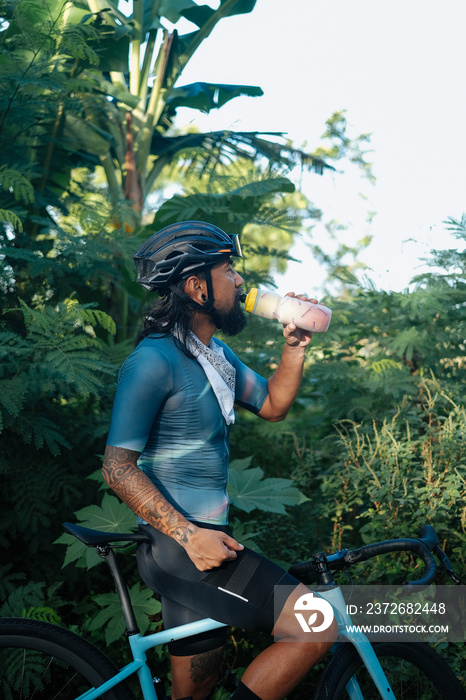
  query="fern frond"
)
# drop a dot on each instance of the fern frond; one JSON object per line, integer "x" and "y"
{"x": 41, "y": 431}
{"x": 80, "y": 369}
{"x": 385, "y": 365}
{"x": 65, "y": 319}
{"x": 45, "y": 486}
{"x": 22, "y": 254}
{"x": 76, "y": 40}
{"x": 11, "y": 346}
{"x": 12, "y": 393}
{"x": 87, "y": 314}
{"x": 43, "y": 613}
{"x": 31, "y": 593}
{"x": 9, "y": 580}
{"x": 9, "y": 217}
{"x": 30, "y": 601}
{"x": 15, "y": 182}
{"x": 458, "y": 228}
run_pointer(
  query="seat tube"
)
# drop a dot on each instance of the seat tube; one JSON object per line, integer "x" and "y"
{"x": 144, "y": 673}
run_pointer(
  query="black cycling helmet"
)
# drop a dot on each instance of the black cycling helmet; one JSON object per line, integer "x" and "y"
{"x": 180, "y": 250}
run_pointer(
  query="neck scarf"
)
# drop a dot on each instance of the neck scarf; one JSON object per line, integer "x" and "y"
{"x": 220, "y": 373}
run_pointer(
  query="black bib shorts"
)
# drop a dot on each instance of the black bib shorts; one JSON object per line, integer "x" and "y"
{"x": 242, "y": 593}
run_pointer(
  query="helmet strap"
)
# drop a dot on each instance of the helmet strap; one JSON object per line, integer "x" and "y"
{"x": 208, "y": 304}
{"x": 179, "y": 293}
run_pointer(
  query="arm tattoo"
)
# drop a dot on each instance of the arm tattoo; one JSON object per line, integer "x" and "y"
{"x": 122, "y": 474}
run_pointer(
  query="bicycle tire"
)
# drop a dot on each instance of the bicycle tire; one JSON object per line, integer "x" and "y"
{"x": 46, "y": 662}
{"x": 414, "y": 670}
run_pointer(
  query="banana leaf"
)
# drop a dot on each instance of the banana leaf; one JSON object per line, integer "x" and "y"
{"x": 207, "y": 96}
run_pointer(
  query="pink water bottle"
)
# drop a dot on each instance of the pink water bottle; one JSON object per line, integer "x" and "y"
{"x": 304, "y": 314}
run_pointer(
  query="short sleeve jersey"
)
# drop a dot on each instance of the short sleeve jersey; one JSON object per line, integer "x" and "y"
{"x": 165, "y": 409}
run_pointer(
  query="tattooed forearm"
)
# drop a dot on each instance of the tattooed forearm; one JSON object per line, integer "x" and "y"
{"x": 122, "y": 474}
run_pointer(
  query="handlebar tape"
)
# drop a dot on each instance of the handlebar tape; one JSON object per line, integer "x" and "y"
{"x": 429, "y": 536}
{"x": 419, "y": 547}
{"x": 302, "y": 570}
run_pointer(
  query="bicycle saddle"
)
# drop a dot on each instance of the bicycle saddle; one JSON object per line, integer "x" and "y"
{"x": 92, "y": 538}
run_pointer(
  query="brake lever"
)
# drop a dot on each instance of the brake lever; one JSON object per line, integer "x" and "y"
{"x": 445, "y": 563}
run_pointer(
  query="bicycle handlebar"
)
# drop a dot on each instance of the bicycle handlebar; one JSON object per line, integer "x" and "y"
{"x": 344, "y": 558}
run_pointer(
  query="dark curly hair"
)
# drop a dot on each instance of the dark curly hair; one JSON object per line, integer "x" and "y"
{"x": 173, "y": 308}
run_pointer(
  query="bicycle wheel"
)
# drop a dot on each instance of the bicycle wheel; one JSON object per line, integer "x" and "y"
{"x": 41, "y": 661}
{"x": 413, "y": 669}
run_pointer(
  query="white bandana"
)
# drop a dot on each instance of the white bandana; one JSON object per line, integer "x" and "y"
{"x": 220, "y": 373}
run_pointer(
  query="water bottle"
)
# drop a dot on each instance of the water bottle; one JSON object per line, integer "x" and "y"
{"x": 304, "y": 314}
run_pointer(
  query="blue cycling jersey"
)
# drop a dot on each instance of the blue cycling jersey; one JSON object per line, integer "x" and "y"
{"x": 165, "y": 409}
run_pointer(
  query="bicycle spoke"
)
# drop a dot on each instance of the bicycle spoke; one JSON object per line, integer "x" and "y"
{"x": 41, "y": 677}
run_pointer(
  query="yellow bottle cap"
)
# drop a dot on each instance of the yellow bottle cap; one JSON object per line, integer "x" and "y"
{"x": 250, "y": 300}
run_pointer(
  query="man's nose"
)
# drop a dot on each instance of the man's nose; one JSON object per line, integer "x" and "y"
{"x": 238, "y": 279}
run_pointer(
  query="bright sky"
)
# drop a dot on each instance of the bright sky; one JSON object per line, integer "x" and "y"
{"x": 397, "y": 68}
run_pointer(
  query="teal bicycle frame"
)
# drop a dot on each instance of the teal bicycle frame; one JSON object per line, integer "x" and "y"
{"x": 327, "y": 589}
{"x": 141, "y": 644}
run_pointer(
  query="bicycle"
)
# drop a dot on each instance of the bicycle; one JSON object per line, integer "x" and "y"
{"x": 42, "y": 661}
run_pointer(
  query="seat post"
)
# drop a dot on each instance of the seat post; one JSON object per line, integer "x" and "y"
{"x": 107, "y": 553}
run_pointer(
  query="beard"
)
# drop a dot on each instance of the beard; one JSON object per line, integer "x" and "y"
{"x": 229, "y": 322}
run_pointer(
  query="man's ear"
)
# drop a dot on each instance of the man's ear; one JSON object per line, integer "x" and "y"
{"x": 196, "y": 289}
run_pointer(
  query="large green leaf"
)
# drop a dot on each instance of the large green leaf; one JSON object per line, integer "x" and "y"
{"x": 111, "y": 616}
{"x": 207, "y": 96}
{"x": 111, "y": 516}
{"x": 82, "y": 135}
{"x": 113, "y": 48}
{"x": 201, "y": 14}
{"x": 248, "y": 490}
{"x": 173, "y": 10}
{"x": 119, "y": 92}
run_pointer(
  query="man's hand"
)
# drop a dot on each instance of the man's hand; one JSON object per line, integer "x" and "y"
{"x": 296, "y": 337}
{"x": 208, "y": 549}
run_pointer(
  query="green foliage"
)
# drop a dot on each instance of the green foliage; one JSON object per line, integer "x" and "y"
{"x": 58, "y": 356}
{"x": 399, "y": 476}
{"x": 55, "y": 377}
{"x": 28, "y": 601}
{"x": 110, "y": 618}
{"x": 110, "y": 516}
{"x": 373, "y": 447}
{"x": 248, "y": 489}
{"x": 208, "y": 96}
{"x": 17, "y": 184}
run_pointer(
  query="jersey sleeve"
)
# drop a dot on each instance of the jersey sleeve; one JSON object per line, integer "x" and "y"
{"x": 251, "y": 388}
{"x": 145, "y": 381}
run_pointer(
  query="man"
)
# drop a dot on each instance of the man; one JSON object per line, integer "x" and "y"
{"x": 167, "y": 459}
